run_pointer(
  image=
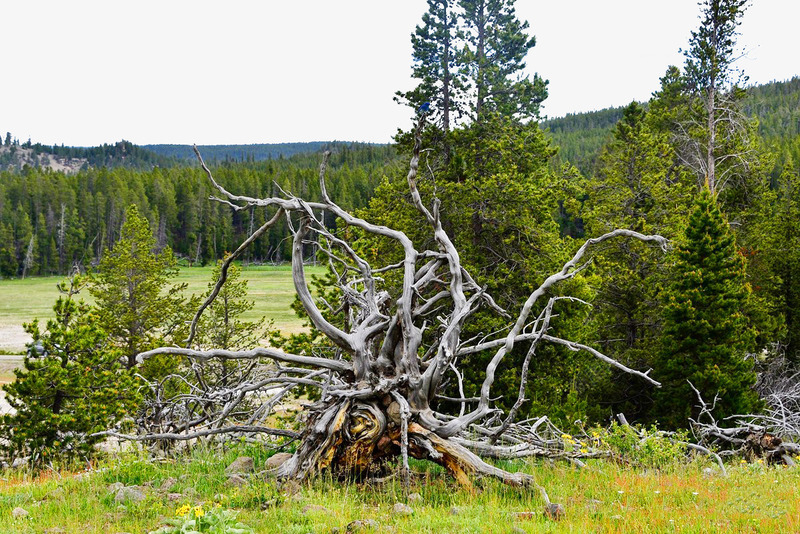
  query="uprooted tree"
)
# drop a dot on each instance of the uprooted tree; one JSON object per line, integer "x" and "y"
{"x": 382, "y": 390}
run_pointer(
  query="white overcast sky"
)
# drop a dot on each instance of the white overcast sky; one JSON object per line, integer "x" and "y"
{"x": 172, "y": 71}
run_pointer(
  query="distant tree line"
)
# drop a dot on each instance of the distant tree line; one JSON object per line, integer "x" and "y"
{"x": 51, "y": 221}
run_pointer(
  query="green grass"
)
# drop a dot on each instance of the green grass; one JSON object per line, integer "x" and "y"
{"x": 269, "y": 286}
{"x": 602, "y": 498}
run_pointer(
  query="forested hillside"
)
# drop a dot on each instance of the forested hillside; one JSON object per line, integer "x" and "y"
{"x": 51, "y": 221}
{"x": 581, "y": 136}
{"x": 254, "y": 152}
{"x": 14, "y": 156}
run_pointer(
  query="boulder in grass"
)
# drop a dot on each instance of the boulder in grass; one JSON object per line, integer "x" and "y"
{"x": 278, "y": 459}
{"x": 241, "y": 465}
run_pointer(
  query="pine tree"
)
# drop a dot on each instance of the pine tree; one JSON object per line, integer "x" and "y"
{"x": 435, "y": 55}
{"x": 71, "y": 385}
{"x": 139, "y": 309}
{"x": 705, "y": 335}
{"x": 494, "y": 58}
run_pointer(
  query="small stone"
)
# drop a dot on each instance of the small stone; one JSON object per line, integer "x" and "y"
{"x": 315, "y": 508}
{"x": 54, "y": 530}
{"x": 554, "y": 511}
{"x": 115, "y": 487}
{"x": 168, "y": 483}
{"x": 402, "y": 509}
{"x": 130, "y": 494}
{"x": 278, "y": 459}
{"x": 184, "y": 476}
{"x": 456, "y": 510}
{"x": 19, "y": 513}
{"x": 272, "y": 503}
{"x": 174, "y": 497}
{"x": 517, "y": 530}
{"x": 415, "y": 497}
{"x": 361, "y": 524}
{"x": 243, "y": 464}
{"x": 617, "y": 517}
{"x": 236, "y": 481}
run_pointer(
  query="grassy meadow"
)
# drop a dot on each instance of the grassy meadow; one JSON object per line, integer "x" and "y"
{"x": 604, "y": 497}
{"x": 270, "y": 287}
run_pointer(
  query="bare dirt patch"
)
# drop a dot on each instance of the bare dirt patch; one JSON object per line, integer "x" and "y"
{"x": 13, "y": 338}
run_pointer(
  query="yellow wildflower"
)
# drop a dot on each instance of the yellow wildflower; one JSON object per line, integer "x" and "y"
{"x": 183, "y": 510}
{"x": 199, "y": 512}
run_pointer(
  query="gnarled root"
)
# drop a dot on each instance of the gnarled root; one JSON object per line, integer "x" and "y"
{"x": 356, "y": 438}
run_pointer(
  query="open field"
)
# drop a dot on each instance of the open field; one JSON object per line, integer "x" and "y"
{"x": 601, "y": 498}
{"x": 269, "y": 286}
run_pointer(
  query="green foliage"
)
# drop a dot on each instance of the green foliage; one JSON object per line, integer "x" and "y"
{"x": 138, "y": 308}
{"x": 706, "y": 334}
{"x": 71, "y": 386}
{"x": 776, "y": 256}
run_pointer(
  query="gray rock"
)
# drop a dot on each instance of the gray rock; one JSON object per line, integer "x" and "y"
{"x": 115, "y": 487}
{"x": 19, "y": 513}
{"x": 236, "y": 481}
{"x": 456, "y": 510}
{"x": 130, "y": 494}
{"x": 402, "y": 509}
{"x": 168, "y": 483}
{"x": 517, "y": 530}
{"x": 415, "y": 497}
{"x": 361, "y": 524}
{"x": 243, "y": 464}
{"x": 55, "y": 530}
{"x": 278, "y": 459}
{"x": 554, "y": 511}
{"x": 174, "y": 497}
{"x": 315, "y": 508}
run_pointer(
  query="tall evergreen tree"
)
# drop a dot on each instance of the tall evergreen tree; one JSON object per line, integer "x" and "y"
{"x": 705, "y": 335}
{"x": 434, "y": 44}
{"x": 494, "y": 58}
{"x": 718, "y": 128}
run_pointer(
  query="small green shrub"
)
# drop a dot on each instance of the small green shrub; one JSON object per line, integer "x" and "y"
{"x": 215, "y": 520}
{"x": 647, "y": 447}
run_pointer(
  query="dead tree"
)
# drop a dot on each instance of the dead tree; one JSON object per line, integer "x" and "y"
{"x": 382, "y": 390}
